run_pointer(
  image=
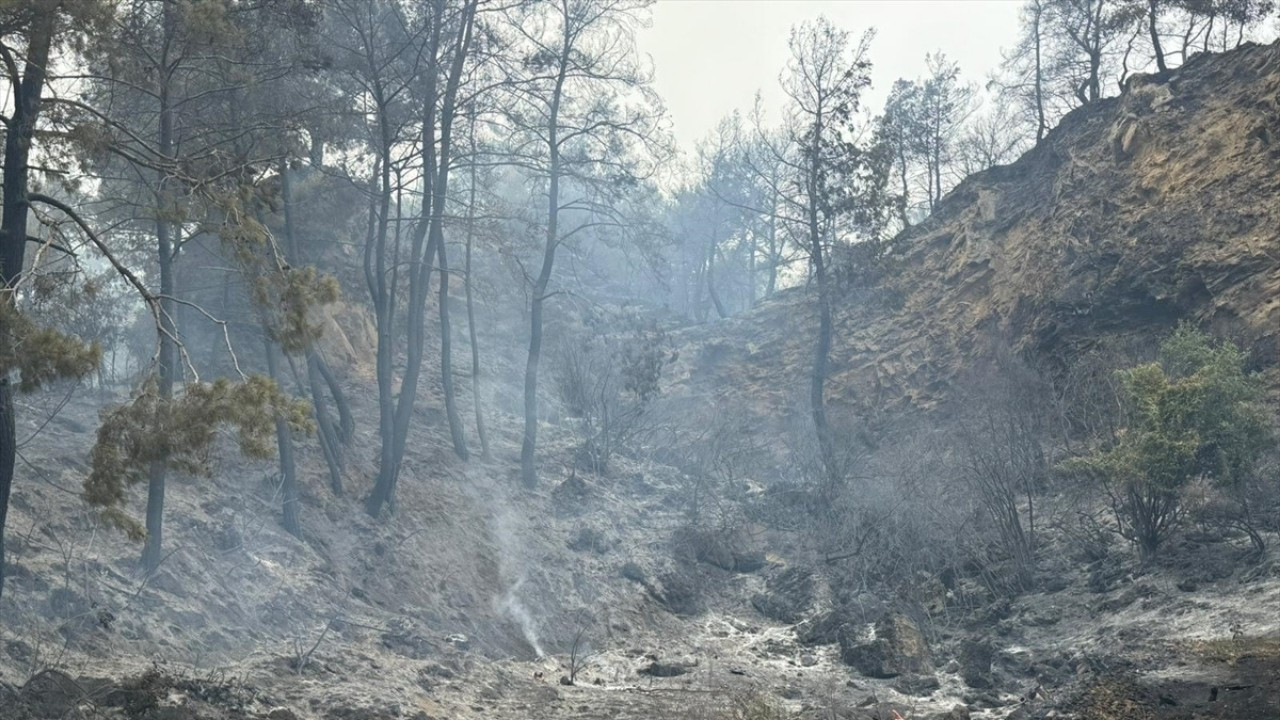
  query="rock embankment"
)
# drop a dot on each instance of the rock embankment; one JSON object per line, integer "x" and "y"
{"x": 1136, "y": 212}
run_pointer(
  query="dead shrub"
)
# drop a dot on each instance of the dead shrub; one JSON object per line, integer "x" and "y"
{"x": 607, "y": 378}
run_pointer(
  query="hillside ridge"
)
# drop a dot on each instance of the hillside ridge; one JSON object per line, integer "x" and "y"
{"x": 1133, "y": 214}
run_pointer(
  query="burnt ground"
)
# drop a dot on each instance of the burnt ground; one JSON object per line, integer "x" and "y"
{"x": 1228, "y": 680}
{"x": 1243, "y": 686}
{"x": 1249, "y": 689}
{"x": 217, "y": 634}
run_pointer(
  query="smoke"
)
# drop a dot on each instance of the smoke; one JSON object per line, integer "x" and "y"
{"x": 510, "y": 605}
{"x": 513, "y": 571}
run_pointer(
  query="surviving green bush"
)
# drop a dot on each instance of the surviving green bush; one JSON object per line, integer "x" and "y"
{"x": 1194, "y": 413}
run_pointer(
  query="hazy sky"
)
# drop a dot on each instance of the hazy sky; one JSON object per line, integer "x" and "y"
{"x": 711, "y": 56}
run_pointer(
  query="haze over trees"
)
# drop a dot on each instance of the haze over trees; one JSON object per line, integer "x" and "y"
{"x": 366, "y": 243}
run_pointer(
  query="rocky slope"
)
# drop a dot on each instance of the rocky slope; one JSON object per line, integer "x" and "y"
{"x": 1133, "y": 214}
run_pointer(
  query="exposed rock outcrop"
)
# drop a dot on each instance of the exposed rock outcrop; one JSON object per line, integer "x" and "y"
{"x": 788, "y": 596}
{"x": 975, "y": 658}
{"x": 896, "y": 647}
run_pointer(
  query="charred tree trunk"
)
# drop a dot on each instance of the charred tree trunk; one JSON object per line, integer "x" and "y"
{"x": 818, "y": 381}
{"x": 165, "y": 251}
{"x": 1094, "y": 51}
{"x": 8, "y": 456}
{"x": 13, "y": 227}
{"x": 528, "y": 448}
{"x": 711, "y": 283}
{"x": 446, "y": 359}
{"x": 284, "y": 446}
{"x": 775, "y": 254}
{"x": 906, "y": 187}
{"x": 165, "y": 374}
{"x": 443, "y": 162}
{"x": 471, "y": 307}
{"x": 1095, "y": 75}
{"x": 394, "y": 451}
{"x": 381, "y": 291}
{"x": 395, "y": 408}
{"x": 698, "y": 299}
{"x": 330, "y": 443}
{"x": 822, "y": 343}
{"x": 332, "y": 439}
{"x": 1041, "y": 125}
{"x": 346, "y": 422}
{"x": 1152, "y": 8}
{"x": 428, "y": 236}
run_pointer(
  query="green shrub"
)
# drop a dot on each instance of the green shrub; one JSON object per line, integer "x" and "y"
{"x": 1194, "y": 413}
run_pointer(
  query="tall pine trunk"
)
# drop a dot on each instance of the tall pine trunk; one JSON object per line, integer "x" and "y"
{"x": 382, "y": 292}
{"x": 165, "y": 252}
{"x": 443, "y": 163}
{"x": 331, "y": 445}
{"x": 775, "y": 253}
{"x": 822, "y": 343}
{"x": 8, "y": 455}
{"x": 1154, "y": 31}
{"x": 528, "y": 448}
{"x": 435, "y": 161}
{"x": 13, "y": 227}
{"x": 711, "y": 283}
{"x": 1041, "y": 124}
{"x": 471, "y": 307}
{"x": 821, "y": 353}
{"x": 289, "y": 498}
{"x": 165, "y": 373}
{"x": 332, "y": 438}
{"x": 446, "y": 359}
